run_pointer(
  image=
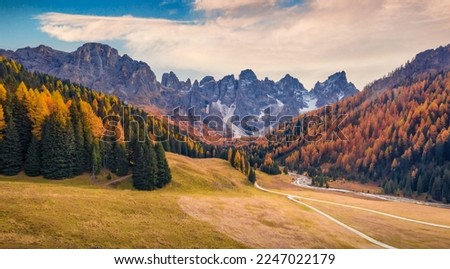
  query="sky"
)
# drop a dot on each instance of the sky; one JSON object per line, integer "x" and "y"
{"x": 308, "y": 39}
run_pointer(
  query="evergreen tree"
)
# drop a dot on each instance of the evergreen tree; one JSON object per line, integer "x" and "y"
{"x": 21, "y": 119}
{"x": 10, "y": 153}
{"x": 56, "y": 148}
{"x": 121, "y": 159}
{"x": 110, "y": 155}
{"x": 73, "y": 168}
{"x": 96, "y": 161}
{"x": 140, "y": 168}
{"x": 420, "y": 185}
{"x": 436, "y": 189}
{"x": 32, "y": 166}
{"x": 408, "y": 189}
{"x": 145, "y": 168}
{"x": 79, "y": 154}
{"x": 153, "y": 166}
{"x": 389, "y": 187}
{"x": 252, "y": 176}
{"x": 166, "y": 145}
{"x": 164, "y": 175}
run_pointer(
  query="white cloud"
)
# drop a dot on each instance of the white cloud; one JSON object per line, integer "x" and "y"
{"x": 208, "y": 5}
{"x": 311, "y": 41}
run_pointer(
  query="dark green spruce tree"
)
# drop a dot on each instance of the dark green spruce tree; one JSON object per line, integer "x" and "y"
{"x": 32, "y": 166}
{"x": 145, "y": 167}
{"x": 78, "y": 154}
{"x": 141, "y": 168}
{"x": 10, "y": 150}
{"x": 252, "y": 176}
{"x": 163, "y": 175}
{"x": 23, "y": 126}
{"x": 121, "y": 159}
{"x": 96, "y": 162}
{"x": 57, "y": 147}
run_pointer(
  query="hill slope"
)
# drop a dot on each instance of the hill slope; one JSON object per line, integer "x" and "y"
{"x": 211, "y": 207}
{"x": 397, "y": 136}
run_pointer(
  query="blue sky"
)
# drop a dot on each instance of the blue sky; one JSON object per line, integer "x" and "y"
{"x": 20, "y": 28}
{"x": 309, "y": 39}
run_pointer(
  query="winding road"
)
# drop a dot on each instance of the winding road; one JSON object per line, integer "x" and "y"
{"x": 296, "y": 198}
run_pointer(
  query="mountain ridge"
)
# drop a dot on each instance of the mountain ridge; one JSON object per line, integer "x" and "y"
{"x": 101, "y": 67}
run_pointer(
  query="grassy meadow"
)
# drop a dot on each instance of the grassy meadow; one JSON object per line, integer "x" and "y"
{"x": 208, "y": 205}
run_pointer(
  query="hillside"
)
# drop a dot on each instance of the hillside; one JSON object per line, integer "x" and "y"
{"x": 208, "y": 204}
{"x": 58, "y": 129}
{"x": 396, "y": 136}
{"x": 76, "y": 214}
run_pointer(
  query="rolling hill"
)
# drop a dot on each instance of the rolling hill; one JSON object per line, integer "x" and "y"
{"x": 208, "y": 204}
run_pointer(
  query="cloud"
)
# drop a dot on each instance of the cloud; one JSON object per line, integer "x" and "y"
{"x": 311, "y": 40}
{"x": 230, "y": 4}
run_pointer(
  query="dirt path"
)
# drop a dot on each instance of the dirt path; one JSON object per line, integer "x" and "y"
{"x": 365, "y": 209}
{"x": 118, "y": 180}
{"x": 295, "y": 198}
{"x": 305, "y": 182}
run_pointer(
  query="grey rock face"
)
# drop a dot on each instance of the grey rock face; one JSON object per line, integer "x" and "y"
{"x": 101, "y": 67}
{"x": 96, "y": 66}
{"x": 335, "y": 88}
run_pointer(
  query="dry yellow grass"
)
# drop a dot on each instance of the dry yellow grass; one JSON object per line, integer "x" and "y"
{"x": 403, "y": 209}
{"x": 54, "y": 216}
{"x": 355, "y": 186}
{"x": 394, "y": 232}
{"x": 208, "y": 205}
{"x": 398, "y": 233}
{"x": 265, "y": 221}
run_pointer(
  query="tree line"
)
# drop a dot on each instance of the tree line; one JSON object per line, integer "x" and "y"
{"x": 399, "y": 137}
{"x": 58, "y": 129}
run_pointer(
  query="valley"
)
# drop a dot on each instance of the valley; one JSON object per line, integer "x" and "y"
{"x": 208, "y": 204}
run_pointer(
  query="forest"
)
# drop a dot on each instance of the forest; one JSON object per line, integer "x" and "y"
{"x": 398, "y": 137}
{"x": 59, "y": 130}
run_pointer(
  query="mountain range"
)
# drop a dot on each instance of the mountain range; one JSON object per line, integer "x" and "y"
{"x": 100, "y": 67}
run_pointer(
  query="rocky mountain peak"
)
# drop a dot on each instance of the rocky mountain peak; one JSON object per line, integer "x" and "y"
{"x": 339, "y": 76}
{"x": 206, "y": 80}
{"x": 44, "y": 49}
{"x": 335, "y": 88}
{"x": 97, "y": 47}
{"x": 248, "y": 75}
{"x": 99, "y": 53}
{"x": 290, "y": 82}
{"x": 170, "y": 80}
